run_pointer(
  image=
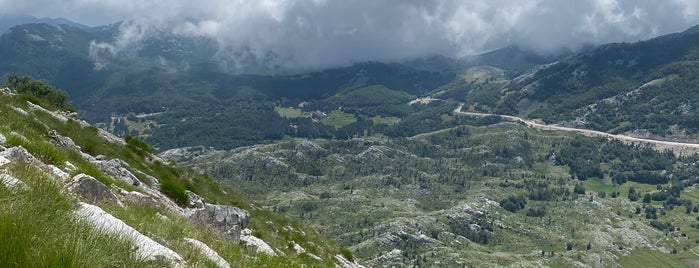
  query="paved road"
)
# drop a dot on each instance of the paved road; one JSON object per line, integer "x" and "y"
{"x": 693, "y": 147}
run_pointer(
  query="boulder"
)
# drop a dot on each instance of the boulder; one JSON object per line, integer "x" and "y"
{"x": 89, "y": 189}
{"x": 18, "y": 153}
{"x": 115, "y": 169}
{"x": 344, "y": 262}
{"x": 209, "y": 253}
{"x": 195, "y": 201}
{"x": 137, "y": 198}
{"x": 13, "y": 183}
{"x": 62, "y": 141}
{"x": 144, "y": 246}
{"x": 3, "y": 160}
{"x": 58, "y": 173}
{"x": 227, "y": 219}
{"x": 260, "y": 246}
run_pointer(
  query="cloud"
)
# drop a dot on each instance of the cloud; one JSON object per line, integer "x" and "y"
{"x": 288, "y": 34}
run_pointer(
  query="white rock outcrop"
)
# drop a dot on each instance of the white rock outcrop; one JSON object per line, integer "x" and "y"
{"x": 60, "y": 117}
{"x": 89, "y": 189}
{"x": 260, "y": 246}
{"x": 145, "y": 247}
{"x": 208, "y": 252}
{"x": 227, "y": 219}
{"x": 5, "y": 91}
{"x": 3, "y": 160}
{"x": 346, "y": 263}
{"x": 116, "y": 169}
{"x": 62, "y": 141}
{"x": 13, "y": 183}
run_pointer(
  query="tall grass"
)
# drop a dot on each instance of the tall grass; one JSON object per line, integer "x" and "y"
{"x": 37, "y": 229}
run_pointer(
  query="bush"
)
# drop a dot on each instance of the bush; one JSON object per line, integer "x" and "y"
{"x": 513, "y": 203}
{"x": 174, "y": 191}
{"x": 347, "y": 254}
{"x": 27, "y": 85}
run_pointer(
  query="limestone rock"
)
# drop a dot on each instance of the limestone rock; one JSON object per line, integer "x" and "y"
{"x": 299, "y": 249}
{"x": 209, "y": 253}
{"x": 227, "y": 219}
{"x": 59, "y": 173}
{"x": 137, "y": 198}
{"x": 3, "y": 140}
{"x": 70, "y": 167}
{"x": 87, "y": 157}
{"x": 18, "y": 153}
{"x": 62, "y": 141}
{"x": 13, "y": 183}
{"x": 90, "y": 189}
{"x": 186, "y": 154}
{"x": 5, "y": 91}
{"x": 260, "y": 246}
{"x": 110, "y": 137}
{"x": 195, "y": 201}
{"x": 346, "y": 263}
{"x": 60, "y": 117}
{"x": 115, "y": 169}
{"x": 145, "y": 247}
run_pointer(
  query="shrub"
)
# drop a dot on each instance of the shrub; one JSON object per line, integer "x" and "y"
{"x": 347, "y": 254}
{"x": 27, "y": 85}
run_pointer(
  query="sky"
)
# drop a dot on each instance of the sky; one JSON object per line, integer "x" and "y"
{"x": 324, "y": 33}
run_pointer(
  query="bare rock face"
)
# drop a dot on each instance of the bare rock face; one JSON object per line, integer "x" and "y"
{"x": 90, "y": 189}
{"x": 195, "y": 201}
{"x": 18, "y": 153}
{"x": 227, "y": 219}
{"x": 145, "y": 247}
{"x": 208, "y": 252}
{"x": 140, "y": 199}
{"x": 13, "y": 183}
{"x": 115, "y": 169}
{"x": 260, "y": 246}
{"x": 62, "y": 141}
{"x": 344, "y": 262}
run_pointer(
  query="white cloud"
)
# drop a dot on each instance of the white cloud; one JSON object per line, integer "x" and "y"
{"x": 320, "y": 33}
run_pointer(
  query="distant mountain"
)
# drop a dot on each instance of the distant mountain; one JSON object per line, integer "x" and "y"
{"x": 513, "y": 59}
{"x": 647, "y": 87}
{"x": 7, "y": 21}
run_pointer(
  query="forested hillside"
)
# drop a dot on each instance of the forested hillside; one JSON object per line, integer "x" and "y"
{"x": 458, "y": 196}
{"x": 646, "y": 88}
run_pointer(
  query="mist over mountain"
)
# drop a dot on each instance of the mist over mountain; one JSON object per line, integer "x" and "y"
{"x": 9, "y": 20}
{"x": 312, "y": 35}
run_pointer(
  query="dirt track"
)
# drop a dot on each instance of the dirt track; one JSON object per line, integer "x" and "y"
{"x": 678, "y": 148}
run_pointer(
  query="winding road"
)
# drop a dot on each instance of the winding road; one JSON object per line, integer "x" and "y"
{"x": 679, "y": 148}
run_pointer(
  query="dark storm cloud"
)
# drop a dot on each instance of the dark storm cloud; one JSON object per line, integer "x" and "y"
{"x": 320, "y": 33}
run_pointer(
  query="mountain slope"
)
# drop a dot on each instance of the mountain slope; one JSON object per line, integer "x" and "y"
{"x": 76, "y": 196}
{"x": 644, "y": 87}
{"x": 462, "y": 195}
{"x": 7, "y": 21}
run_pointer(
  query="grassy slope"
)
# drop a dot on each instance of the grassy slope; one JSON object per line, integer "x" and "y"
{"x": 49, "y": 209}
